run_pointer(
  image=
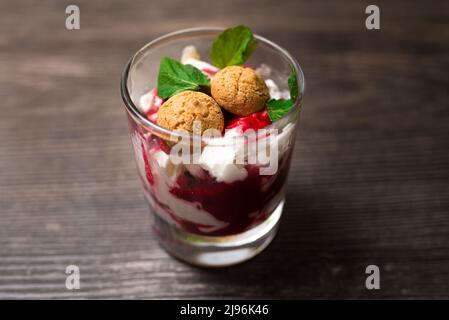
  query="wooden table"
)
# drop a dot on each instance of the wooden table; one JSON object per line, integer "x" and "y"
{"x": 369, "y": 182}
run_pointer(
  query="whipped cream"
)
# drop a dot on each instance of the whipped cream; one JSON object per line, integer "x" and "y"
{"x": 164, "y": 178}
{"x": 219, "y": 162}
{"x": 220, "y": 158}
{"x": 150, "y": 102}
{"x": 191, "y": 56}
{"x": 275, "y": 92}
{"x": 165, "y": 174}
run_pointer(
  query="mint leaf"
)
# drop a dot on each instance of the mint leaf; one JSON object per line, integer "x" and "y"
{"x": 175, "y": 77}
{"x": 233, "y": 47}
{"x": 249, "y": 49}
{"x": 278, "y": 108}
{"x": 293, "y": 85}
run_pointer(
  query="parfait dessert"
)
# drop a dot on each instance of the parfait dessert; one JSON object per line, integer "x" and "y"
{"x": 213, "y": 138}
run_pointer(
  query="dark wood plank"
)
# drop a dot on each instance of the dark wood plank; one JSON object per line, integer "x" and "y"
{"x": 369, "y": 182}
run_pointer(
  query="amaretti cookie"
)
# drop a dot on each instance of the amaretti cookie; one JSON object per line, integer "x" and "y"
{"x": 239, "y": 90}
{"x": 181, "y": 110}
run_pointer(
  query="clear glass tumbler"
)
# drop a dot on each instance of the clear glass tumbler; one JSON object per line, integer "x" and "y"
{"x": 197, "y": 217}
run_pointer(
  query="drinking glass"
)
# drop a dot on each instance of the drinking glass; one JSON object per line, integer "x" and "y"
{"x": 197, "y": 217}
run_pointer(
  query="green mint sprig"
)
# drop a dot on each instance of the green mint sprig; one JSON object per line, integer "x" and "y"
{"x": 277, "y": 108}
{"x": 233, "y": 47}
{"x": 175, "y": 77}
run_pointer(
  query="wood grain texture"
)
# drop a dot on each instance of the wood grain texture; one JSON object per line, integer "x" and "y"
{"x": 369, "y": 182}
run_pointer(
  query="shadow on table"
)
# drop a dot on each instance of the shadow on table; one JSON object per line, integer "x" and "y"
{"x": 301, "y": 262}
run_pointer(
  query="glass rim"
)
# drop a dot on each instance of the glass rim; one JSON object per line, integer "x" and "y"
{"x": 137, "y": 116}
